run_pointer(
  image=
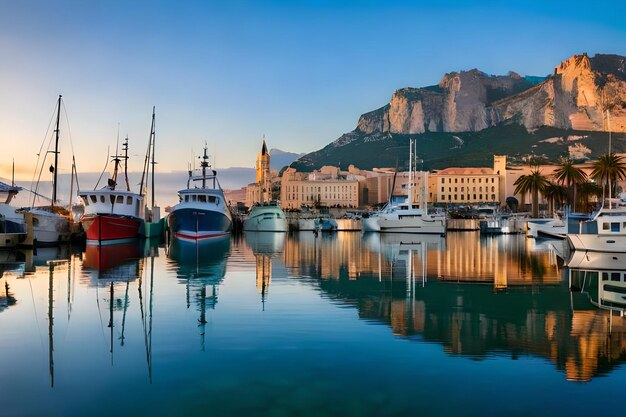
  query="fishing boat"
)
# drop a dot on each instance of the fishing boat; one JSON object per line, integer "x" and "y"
{"x": 266, "y": 217}
{"x": 12, "y": 226}
{"x": 111, "y": 214}
{"x": 202, "y": 212}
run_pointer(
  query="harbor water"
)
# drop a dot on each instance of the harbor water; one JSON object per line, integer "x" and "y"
{"x": 328, "y": 324}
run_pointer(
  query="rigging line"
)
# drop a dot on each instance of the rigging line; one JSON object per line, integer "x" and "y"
{"x": 41, "y": 147}
{"x": 69, "y": 132}
{"x": 104, "y": 169}
{"x": 100, "y": 313}
{"x": 43, "y": 163}
{"x": 36, "y": 318}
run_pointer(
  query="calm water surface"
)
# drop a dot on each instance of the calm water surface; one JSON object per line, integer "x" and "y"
{"x": 340, "y": 324}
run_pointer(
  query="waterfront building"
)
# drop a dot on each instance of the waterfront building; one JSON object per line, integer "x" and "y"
{"x": 464, "y": 186}
{"x": 327, "y": 187}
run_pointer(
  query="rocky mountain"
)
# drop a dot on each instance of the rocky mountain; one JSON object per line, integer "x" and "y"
{"x": 280, "y": 159}
{"x": 576, "y": 97}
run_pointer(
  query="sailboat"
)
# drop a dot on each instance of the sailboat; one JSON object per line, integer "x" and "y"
{"x": 111, "y": 214}
{"x": 152, "y": 226}
{"x": 49, "y": 225}
{"x": 408, "y": 217}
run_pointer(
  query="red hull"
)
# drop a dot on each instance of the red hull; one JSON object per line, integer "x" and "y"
{"x": 103, "y": 227}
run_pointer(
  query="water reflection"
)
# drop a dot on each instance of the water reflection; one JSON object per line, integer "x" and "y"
{"x": 201, "y": 266}
{"x": 427, "y": 289}
{"x": 265, "y": 246}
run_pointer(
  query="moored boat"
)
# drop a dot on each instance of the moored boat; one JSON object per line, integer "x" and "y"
{"x": 267, "y": 217}
{"x": 12, "y": 227}
{"x": 605, "y": 232}
{"x": 202, "y": 212}
{"x": 110, "y": 214}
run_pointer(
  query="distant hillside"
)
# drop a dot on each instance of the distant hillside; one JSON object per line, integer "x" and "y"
{"x": 280, "y": 159}
{"x": 438, "y": 150}
{"x": 471, "y": 115}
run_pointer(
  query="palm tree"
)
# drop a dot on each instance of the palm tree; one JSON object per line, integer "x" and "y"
{"x": 555, "y": 194}
{"x": 534, "y": 183}
{"x": 609, "y": 169}
{"x": 587, "y": 190}
{"x": 570, "y": 176}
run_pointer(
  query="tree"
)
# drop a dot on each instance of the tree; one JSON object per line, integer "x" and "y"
{"x": 607, "y": 170}
{"x": 588, "y": 194}
{"x": 555, "y": 194}
{"x": 533, "y": 183}
{"x": 570, "y": 176}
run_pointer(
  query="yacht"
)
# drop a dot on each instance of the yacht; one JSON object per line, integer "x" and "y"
{"x": 408, "y": 217}
{"x": 202, "y": 212}
{"x": 605, "y": 232}
{"x": 266, "y": 217}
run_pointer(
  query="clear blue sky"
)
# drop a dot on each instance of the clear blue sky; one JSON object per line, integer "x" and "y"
{"x": 300, "y": 72}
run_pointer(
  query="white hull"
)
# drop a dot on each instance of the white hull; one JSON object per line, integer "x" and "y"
{"x": 265, "y": 219}
{"x": 554, "y": 228}
{"x": 46, "y": 228}
{"x": 370, "y": 224}
{"x": 597, "y": 243}
{"x": 597, "y": 261}
{"x": 422, "y": 224}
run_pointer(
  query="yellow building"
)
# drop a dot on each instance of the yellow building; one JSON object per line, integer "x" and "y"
{"x": 464, "y": 186}
{"x": 324, "y": 188}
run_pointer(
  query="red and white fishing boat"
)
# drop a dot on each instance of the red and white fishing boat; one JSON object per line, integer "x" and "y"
{"x": 110, "y": 214}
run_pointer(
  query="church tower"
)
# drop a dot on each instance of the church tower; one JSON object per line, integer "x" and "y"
{"x": 263, "y": 174}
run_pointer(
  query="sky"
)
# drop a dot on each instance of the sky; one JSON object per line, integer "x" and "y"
{"x": 228, "y": 72}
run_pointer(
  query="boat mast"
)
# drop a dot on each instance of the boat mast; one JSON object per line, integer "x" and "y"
{"x": 608, "y": 125}
{"x": 204, "y": 164}
{"x": 56, "y": 152}
{"x": 153, "y": 137}
{"x": 410, "y": 192}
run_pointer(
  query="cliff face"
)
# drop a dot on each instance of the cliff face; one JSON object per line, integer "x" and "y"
{"x": 576, "y": 96}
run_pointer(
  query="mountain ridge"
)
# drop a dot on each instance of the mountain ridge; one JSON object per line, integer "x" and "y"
{"x": 574, "y": 100}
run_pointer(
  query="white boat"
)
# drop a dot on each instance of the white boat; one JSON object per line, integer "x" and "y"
{"x": 12, "y": 226}
{"x": 408, "y": 217}
{"x": 268, "y": 217}
{"x": 605, "y": 232}
{"x": 551, "y": 228}
{"x": 202, "y": 212}
{"x": 610, "y": 271}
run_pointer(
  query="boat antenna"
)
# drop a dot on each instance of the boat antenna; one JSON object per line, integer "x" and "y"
{"x": 13, "y": 174}
{"x": 116, "y": 160}
{"x": 56, "y": 152}
{"x": 125, "y": 148}
{"x": 608, "y": 125}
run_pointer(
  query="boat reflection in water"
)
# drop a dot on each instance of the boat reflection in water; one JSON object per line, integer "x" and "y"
{"x": 114, "y": 268}
{"x": 201, "y": 266}
{"x": 478, "y": 297}
{"x": 266, "y": 247}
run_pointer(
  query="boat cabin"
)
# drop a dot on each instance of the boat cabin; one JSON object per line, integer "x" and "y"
{"x": 113, "y": 202}
{"x": 200, "y": 196}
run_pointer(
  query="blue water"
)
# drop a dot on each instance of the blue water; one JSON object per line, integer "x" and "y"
{"x": 302, "y": 325}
